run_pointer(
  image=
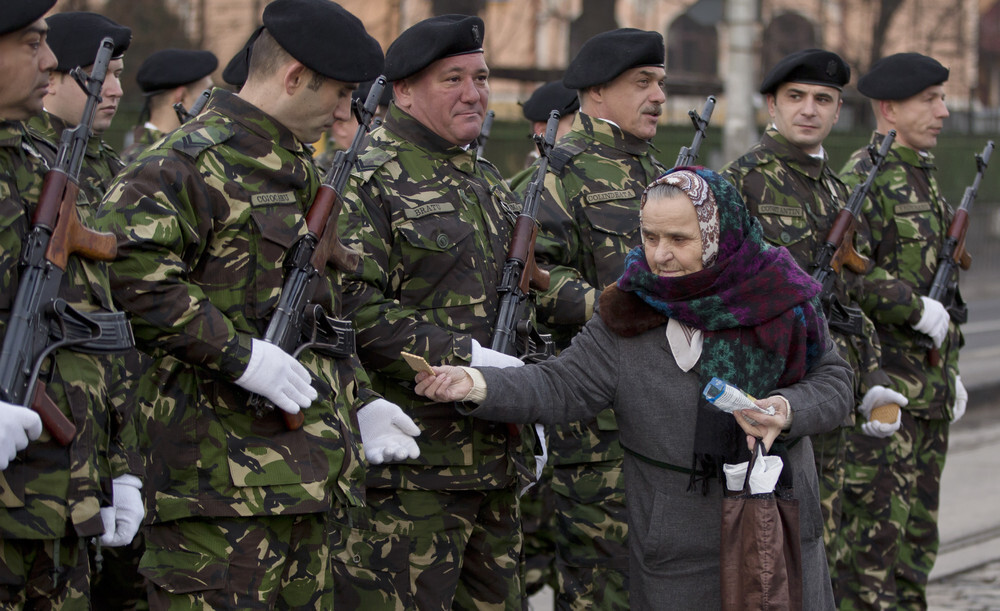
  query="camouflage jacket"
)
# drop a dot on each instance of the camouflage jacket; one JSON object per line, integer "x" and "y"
{"x": 100, "y": 165}
{"x": 201, "y": 273}
{"x": 589, "y": 216}
{"x": 434, "y": 224}
{"x": 796, "y": 197}
{"x": 144, "y": 137}
{"x": 48, "y": 487}
{"x": 908, "y": 218}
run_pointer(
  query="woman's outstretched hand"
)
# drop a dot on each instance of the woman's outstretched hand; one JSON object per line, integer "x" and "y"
{"x": 447, "y": 384}
{"x": 762, "y": 426}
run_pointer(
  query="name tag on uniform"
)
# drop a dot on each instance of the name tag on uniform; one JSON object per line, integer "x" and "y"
{"x": 268, "y": 199}
{"x": 421, "y": 211}
{"x": 606, "y": 196}
{"x": 780, "y": 210}
{"x": 917, "y": 207}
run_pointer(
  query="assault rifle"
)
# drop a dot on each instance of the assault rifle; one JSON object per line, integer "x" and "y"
{"x": 837, "y": 250}
{"x": 514, "y": 334}
{"x": 298, "y": 323}
{"x": 41, "y": 322}
{"x": 184, "y": 115}
{"x": 484, "y": 133}
{"x": 689, "y": 154}
{"x": 954, "y": 255}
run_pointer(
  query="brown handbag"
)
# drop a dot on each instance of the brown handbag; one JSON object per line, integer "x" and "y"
{"x": 760, "y": 553}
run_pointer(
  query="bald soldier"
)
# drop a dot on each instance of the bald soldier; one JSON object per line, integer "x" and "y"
{"x": 893, "y": 481}
{"x": 434, "y": 222}
{"x": 55, "y": 497}
{"x": 788, "y": 184}
{"x": 168, "y": 77}
{"x": 240, "y": 515}
{"x": 597, "y": 173}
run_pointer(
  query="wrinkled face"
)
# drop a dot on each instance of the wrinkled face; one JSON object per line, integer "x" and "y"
{"x": 315, "y": 106}
{"x": 449, "y": 97}
{"x": 804, "y": 114}
{"x": 918, "y": 119}
{"x": 634, "y": 100}
{"x": 25, "y": 63}
{"x": 67, "y": 99}
{"x": 671, "y": 235}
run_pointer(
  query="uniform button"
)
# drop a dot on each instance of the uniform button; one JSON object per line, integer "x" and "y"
{"x": 785, "y": 237}
{"x": 442, "y": 241}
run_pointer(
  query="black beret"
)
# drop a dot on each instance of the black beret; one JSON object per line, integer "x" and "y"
{"x": 430, "y": 40}
{"x": 171, "y": 68}
{"x": 901, "y": 76}
{"x": 605, "y": 56}
{"x": 76, "y": 37}
{"x": 325, "y": 38}
{"x": 17, "y": 14}
{"x": 361, "y": 93}
{"x": 810, "y": 66}
{"x": 549, "y": 97}
{"x": 236, "y": 71}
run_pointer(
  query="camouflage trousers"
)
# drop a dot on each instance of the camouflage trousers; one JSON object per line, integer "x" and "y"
{"x": 277, "y": 562}
{"x": 538, "y": 525}
{"x": 44, "y": 574}
{"x": 829, "y": 450}
{"x": 591, "y": 526}
{"x": 890, "y": 503}
{"x": 116, "y": 583}
{"x": 429, "y": 549}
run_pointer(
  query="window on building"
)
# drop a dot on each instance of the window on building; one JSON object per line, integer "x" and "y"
{"x": 692, "y": 48}
{"x": 786, "y": 34}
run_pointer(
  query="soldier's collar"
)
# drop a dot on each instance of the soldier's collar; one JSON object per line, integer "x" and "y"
{"x": 913, "y": 157}
{"x": 609, "y": 134}
{"x": 255, "y": 120}
{"x": 792, "y": 155}
{"x": 406, "y": 127}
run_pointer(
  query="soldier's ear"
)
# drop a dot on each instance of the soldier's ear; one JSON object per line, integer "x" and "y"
{"x": 402, "y": 92}
{"x": 294, "y": 77}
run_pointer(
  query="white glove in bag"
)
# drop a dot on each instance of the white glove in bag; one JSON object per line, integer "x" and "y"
{"x": 274, "y": 374}
{"x": 961, "y": 400}
{"x": 18, "y": 426}
{"x": 387, "y": 433}
{"x": 763, "y": 478}
{"x": 487, "y": 357}
{"x": 934, "y": 321}
{"x": 122, "y": 519}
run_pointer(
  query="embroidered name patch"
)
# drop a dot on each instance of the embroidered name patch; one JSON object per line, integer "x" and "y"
{"x": 781, "y": 210}
{"x": 609, "y": 195}
{"x": 917, "y": 207}
{"x": 266, "y": 199}
{"x": 421, "y": 211}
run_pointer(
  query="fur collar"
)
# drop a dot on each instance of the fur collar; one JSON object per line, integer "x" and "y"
{"x": 625, "y": 314}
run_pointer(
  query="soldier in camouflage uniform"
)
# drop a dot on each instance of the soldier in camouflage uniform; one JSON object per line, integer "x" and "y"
{"x": 239, "y": 517}
{"x": 53, "y": 497}
{"x": 168, "y": 77}
{"x": 788, "y": 184}
{"x": 434, "y": 221}
{"x": 892, "y": 484}
{"x": 597, "y": 173}
{"x": 75, "y": 39}
{"x": 341, "y": 135}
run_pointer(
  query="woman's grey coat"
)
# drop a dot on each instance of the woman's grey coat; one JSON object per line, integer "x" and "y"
{"x": 673, "y": 533}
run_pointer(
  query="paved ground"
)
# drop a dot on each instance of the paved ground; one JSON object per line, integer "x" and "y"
{"x": 975, "y": 590}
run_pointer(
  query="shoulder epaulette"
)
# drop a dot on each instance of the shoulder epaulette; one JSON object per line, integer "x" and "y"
{"x": 196, "y": 141}
{"x": 371, "y": 160}
{"x": 564, "y": 152}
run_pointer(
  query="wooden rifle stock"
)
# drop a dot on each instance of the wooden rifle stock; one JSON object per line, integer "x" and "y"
{"x": 57, "y": 209}
{"x": 54, "y": 421}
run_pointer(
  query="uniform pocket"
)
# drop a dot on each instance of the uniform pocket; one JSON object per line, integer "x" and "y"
{"x": 200, "y": 572}
{"x": 614, "y": 230}
{"x": 365, "y": 561}
{"x": 277, "y": 236}
{"x": 439, "y": 252}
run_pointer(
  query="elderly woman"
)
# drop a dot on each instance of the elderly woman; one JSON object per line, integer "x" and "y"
{"x": 703, "y": 296}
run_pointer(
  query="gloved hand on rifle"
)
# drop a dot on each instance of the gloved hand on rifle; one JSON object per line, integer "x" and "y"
{"x": 274, "y": 374}
{"x": 934, "y": 321}
{"x": 961, "y": 400}
{"x": 876, "y": 397}
{"x": 122, "y": 519}
{"x": 18, "y": 426}
{"x": 387, "y": 433}
{"x": 487, "y": 357}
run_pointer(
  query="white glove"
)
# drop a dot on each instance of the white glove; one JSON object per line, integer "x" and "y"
{"x": 273, "y": 373}
{"x": 122, "y": 519}
{"x": 934, "y": 321}
{"x": 486, "y": 357}
{"x": 876, "y": 396}
{"x": 18, "y": 426}
{"x": 877, "y": 428}
{"x": 961, "y": 400}
{"x": 387, "y": 432}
